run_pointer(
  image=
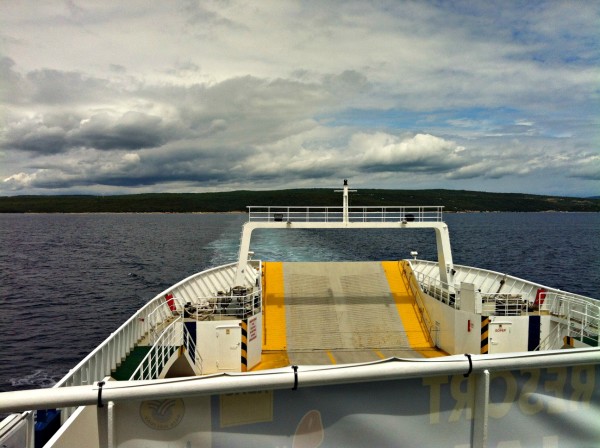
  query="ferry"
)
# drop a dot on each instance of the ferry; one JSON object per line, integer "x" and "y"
{"x": 385, "y": 353}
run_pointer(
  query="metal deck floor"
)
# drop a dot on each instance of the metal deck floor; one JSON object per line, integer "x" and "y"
{"x": 336, "y": 313}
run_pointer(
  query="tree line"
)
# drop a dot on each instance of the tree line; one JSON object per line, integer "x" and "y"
{"x": 237, "y": 201}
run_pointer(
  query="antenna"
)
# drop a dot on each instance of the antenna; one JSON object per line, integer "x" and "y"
{"x": 345, "y": 201}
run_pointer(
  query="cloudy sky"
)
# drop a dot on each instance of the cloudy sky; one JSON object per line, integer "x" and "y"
{"x": 109, "y": 97}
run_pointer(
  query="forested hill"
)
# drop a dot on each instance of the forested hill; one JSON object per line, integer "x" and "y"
{"x": 453, "y": 200}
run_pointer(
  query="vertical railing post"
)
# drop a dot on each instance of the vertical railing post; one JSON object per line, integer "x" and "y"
{"x": 480, "y": 414}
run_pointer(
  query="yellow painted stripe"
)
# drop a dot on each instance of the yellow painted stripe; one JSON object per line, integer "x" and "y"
{"x": 331, "y": 357}
{"x": 272, "y": 360}
{"x": 381, "y": 355}
{"x": 406, "y": 306}
{"x": 432, "y": 353}
{"x": 274, "y": 328}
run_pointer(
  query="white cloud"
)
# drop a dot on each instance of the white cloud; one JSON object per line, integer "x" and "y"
{"x": 20, "y": 180}
{"x": 131, "y": 158}
{"x": 587, "y": 168}
{"x": 389, "y": 149}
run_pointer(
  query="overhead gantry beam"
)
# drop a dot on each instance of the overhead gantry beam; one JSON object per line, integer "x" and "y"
{"x": 444, "y": 251}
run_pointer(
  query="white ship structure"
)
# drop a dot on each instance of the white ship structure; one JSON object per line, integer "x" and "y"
{"x": 384, "y": 353}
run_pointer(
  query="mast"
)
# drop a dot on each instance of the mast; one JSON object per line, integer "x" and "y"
{"x": 345, "y": 214}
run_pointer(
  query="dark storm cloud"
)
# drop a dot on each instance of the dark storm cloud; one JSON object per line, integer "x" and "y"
{"x": 36, "y": 137}
{"x": 60, "y": 133}
{"x": 133, "y": 130}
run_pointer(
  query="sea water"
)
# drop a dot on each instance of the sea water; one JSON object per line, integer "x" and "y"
{"x": 68, "y": 281}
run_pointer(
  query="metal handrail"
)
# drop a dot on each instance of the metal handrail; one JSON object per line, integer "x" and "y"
{"x": 166, "y": 311}
{"x": 416, "y": 290}
{"x": 99, "y": 363}
{"x": 336, "y": 214}
{"x": 544, "y": 342}
{"x": 505, "y": 304}
{"x": 437, "y": 289}
{"x": 240, "y": 306}
{"x": 165, "y": 346}
{"x": 396, "y": 369}
{"x": 175, "y": 336}
{"x": 582, "y": 316}
{"x": 190, "y": 345}
{"x": 103, "y": 359}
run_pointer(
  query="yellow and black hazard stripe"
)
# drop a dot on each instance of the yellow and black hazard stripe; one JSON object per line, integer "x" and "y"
{"x": 569, "y": 341}
{"x": 485, "y": 327}
{"x": 244, "y": 326}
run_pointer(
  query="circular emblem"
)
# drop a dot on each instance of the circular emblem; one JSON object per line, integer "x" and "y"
{"x": 162, "y": 414}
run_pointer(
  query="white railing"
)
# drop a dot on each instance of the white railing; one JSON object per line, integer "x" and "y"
{"x": 100, "y": 362}
{"x": 580, "y": 314}
{"x": 582, "y": 317}
{"x": 190, "y": 346}
{"x": 109, "y": 353}
{"x": 18, "y": 430}
{"x": 175, "y": 337}
{"x": 482, "y": 367}
{"x": 240, "y": 304}
{"x": 437, "y": 289}
{"x": 500, "y": 304}
{"x": 104, "y": 359}
{"x": 162, "y": 314}
{"x": 336, "y": 214}
{"x": 552, "y": 341}
{"x": 170, "y": 340}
